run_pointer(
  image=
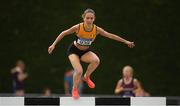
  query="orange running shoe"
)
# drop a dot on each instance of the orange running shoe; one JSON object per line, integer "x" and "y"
{"x": 89, "y": 82}
{"x": 75, "y": 93}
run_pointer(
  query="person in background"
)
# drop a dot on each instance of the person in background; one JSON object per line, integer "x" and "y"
{"x": 128, "y": 85}
{"x": 68, "y": 82}
{"x": 18, "y": 76}
{"x": 47, "y": 92}
{"x": 80, "y": 49}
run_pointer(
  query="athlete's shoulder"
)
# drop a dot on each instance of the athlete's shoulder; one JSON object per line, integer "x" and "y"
{"x": 120, "y": 81}
{"x": 135, "y": 79}
{"x": 76, "y": 26}
{"x": 98, "y": 29}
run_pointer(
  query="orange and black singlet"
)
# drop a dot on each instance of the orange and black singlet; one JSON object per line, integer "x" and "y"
{"x": 85, "y": 38}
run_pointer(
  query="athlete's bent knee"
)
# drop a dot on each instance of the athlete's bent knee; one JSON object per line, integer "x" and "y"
{"x": 79, "y": 71}
{"x": 96, "y": 61}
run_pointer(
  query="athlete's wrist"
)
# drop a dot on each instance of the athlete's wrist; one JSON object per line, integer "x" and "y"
{"x": 54, "y": 44}
{"x": 125, "y": 42}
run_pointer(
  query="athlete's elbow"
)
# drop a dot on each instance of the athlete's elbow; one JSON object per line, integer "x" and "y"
{"x": 63, "y": 33}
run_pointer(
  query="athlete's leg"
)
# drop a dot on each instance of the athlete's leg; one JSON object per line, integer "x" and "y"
{"x": 74, "y": 59}
{"x": 93, "y": 61}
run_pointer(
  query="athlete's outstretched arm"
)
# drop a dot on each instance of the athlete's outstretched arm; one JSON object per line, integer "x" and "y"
{"x": 61, "y": 35}
{"x": 115, "y": 37}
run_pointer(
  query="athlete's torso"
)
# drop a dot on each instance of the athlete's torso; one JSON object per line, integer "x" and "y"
{"x": 85, "y": 38}
{"x": 128, "y": 88}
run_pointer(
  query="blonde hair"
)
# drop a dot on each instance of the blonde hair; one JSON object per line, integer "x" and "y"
{"x": 88, "y": 11}
{"x": 129, "y": 67}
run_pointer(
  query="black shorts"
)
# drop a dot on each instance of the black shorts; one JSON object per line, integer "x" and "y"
{"x": 18, "y": 86}
{"x": 72, "y": 49}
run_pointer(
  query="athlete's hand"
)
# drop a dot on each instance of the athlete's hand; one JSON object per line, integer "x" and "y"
{"x": 130, "y": 44}
{"x": 50, "y": 49}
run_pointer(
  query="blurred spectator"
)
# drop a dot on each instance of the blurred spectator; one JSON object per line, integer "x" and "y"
{"x": 129, "y": 86}
{"x": 68, "y": 82}
{"x": 18, "y": 76}
{"x": 47, "y": 92}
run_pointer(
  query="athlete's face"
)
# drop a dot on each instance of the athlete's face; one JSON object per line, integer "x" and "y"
{"x": 89, "y": 18}
{"x": 127, "y": 72}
